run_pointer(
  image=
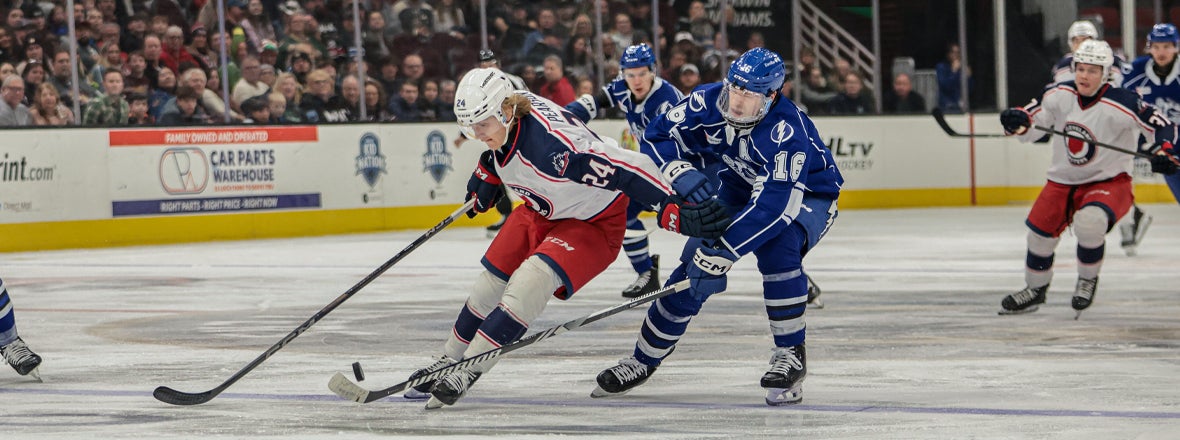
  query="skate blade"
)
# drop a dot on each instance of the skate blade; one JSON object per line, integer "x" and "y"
{"x": 434, "y": 403}
{"x": 816, "y": 303}
{"x": 599, "y": 393}
{"x": 1078, "y": 315}
{"x": 784, "y": 396}
{"x": 36, "y": 373}
{"x": 1131, "y": 250}
{"x": 1021, "y": 311}
{"x": 413, "y": 394}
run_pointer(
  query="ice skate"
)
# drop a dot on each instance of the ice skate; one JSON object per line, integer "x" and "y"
{"x": 1083, "y": 295}
{"x": 1134, "y": 230}
{"x": 448, "y": 389}
{"x": 23, "y": 360}
{"x": 1026, "y": 300}
{"x": 648, "y": 281}
{"x": 813, "y": 293}
{"x": 621, "y": 378}
{"x": 784, "y": 380}
{"x": 422, "y": 391}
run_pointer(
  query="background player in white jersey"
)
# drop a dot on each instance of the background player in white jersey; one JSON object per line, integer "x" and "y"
{"x": 1156, "y": 78}
{"x": 642, "y": 95}
{"x": 1088, "y": 188}
{"x": 780, "y": 183}
{"x": 576, "y": 187}
{"x": 12, "y": 347}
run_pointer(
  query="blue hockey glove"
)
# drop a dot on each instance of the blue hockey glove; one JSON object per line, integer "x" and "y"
{"x": 705, "y": 220}
{"x": 1015, "y": 120}
{"x": 706, "y": 274}
{"x": 688, "y": 182}
{"x": 484, "y": 185}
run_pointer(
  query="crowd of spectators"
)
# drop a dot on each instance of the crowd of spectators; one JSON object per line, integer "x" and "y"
{"x": 291, "y": 61}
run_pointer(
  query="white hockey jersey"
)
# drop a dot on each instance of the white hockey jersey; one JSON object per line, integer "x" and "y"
{"x": 1113, "y": 116}
{"x": 562, "y": 169}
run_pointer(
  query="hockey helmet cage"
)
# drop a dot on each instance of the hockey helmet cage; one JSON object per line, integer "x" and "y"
{"x": 759, "y": 72}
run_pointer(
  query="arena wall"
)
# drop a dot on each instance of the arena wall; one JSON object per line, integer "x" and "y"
{"x": 71, "y": 188}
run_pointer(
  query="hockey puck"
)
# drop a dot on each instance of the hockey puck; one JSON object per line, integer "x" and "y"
{"x": 357, "y": 372}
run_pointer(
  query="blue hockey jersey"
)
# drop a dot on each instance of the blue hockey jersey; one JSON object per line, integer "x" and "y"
{"x": 776, "y": 163}
{"x": 659, "y": 99}
{"x": 1163, "y": 93}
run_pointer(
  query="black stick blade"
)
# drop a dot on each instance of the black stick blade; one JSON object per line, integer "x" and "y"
{"x": 171, "y": 396}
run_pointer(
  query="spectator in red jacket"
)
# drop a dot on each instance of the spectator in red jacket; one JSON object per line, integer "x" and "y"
{"x": 556, "y": 88}
{"x": 175, "y": 53}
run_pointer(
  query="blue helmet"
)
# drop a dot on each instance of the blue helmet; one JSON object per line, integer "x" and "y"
{"x": 639, "y": 55}
{"x": 1163, "y": 33}
{"x": 752, "y": 80}
{"x": 758, "y": 70}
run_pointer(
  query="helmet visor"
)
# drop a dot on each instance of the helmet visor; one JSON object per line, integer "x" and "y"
{"x": 741, "y": 106}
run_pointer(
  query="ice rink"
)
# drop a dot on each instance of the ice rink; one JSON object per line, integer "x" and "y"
{"x": 909, "y": 345}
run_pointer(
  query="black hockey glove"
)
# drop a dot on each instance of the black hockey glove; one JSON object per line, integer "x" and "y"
{"x": 484, "y": 185}
{"x": 705, "y": 220}
{"x": 1015, "y": 120}
{"x": 1164, "y": 159}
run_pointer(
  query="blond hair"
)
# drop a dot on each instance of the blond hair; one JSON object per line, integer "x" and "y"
{"x": 517, "y": 106}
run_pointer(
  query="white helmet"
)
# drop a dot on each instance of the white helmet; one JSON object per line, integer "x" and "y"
{"x": 1096, "y": 52}
{"x": 1082, "y": 28}
{"x": 481, "y": 95}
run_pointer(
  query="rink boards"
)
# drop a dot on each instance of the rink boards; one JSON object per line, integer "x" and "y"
{"x": 67, "y": 188}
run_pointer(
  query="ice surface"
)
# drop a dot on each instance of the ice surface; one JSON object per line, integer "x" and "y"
{"x": 908, "y": 347}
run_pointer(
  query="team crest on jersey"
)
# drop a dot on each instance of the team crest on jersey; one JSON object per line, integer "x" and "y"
{"x": 370, "y": 163}
{"x": 535, "y": 201}
{"x": 560, "y": 162}
{"x": 1078, "y": 151}
{"x": 697, "y": 102}
{"x": 781, "y": 132}
{"x": 436, "y": 160}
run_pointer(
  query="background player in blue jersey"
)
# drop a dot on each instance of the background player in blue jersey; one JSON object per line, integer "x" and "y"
{"x": 12, "y": 347}
{"x": 642, "y": 95}
{"x": 780, "y": 183}
{"x": 1156, "y": 78}
{"x": 576, "y": 187}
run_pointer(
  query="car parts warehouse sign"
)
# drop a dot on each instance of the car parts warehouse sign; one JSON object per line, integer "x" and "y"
{"x": 207, "y": 170}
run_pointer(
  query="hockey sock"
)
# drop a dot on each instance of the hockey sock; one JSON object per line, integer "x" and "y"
{"x": 1038, "y": 263}
{"x": 636, "y": 246}
{"x": 786, "y": 300}
{"x": 485, "y": 295}
{"x": 7, "y": 320}
{"x": 1090, "y": 225}
{"x": 667, "y": 320}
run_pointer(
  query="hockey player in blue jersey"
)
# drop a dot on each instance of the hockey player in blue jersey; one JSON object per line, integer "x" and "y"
{"x": 1156, "y": 78}
{"x": 576, "y": 187}
{"x": 12, "y": 347}
{"x": 780, "y": 184}
{"x": 642, "y": 95}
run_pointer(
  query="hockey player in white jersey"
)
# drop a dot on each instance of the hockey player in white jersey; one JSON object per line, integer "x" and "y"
{"x": 780, "y": 183}
{"x": 1088, "y": 188}
{"x": 576, "y": 187}
{"x": 642, "y": 95}
{"x": 12, "y": 348}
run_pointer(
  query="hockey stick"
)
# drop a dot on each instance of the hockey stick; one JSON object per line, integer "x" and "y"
{"x": 1100, "y": 144}
{"x": 940, "y": 118}
{"x": 169, "y": 395}
{"x": 347, "y": 389}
